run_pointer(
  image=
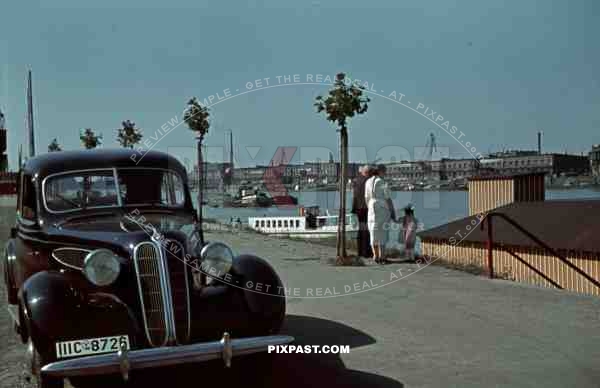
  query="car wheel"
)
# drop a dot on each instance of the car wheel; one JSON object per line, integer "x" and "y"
{"x": 37, "y": 361}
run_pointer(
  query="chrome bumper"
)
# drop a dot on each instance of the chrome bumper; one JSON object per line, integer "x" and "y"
{"x": 124, "y": 361}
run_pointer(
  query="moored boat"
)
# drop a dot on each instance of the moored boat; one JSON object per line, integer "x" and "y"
{"x": 249, "y": 198}
{"x": 310, "y": 223}
{"x": 284, "y": 200}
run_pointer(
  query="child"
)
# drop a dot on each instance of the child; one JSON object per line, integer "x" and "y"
{"x": 409, "y": 226}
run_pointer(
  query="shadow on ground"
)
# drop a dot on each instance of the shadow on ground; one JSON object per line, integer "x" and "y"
{"x": 286, "y": 370}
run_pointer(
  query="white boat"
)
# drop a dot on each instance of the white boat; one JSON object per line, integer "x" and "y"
{"x": 308, "y": 224}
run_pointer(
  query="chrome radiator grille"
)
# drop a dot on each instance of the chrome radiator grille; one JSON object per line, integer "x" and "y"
{"x": 164, "y": 293}
{"x": 178, "y": 278}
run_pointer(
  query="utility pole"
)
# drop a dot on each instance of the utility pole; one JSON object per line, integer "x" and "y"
{"x": 30, "y": 115}
{"x": 20, "y": 161}
{"x": 3, "y": 144}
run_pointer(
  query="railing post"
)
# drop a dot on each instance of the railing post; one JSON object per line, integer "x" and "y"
{"x": 490, "y": 246}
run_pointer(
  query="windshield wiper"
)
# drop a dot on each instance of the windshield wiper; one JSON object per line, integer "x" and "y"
{"x": 159, "y": 205}
{"x": 69, "y": 201}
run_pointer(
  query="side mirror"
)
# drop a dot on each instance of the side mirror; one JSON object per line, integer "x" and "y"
{"x": 13, "y": 232}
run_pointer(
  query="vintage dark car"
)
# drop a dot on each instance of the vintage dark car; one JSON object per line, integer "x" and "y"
{"x": 107, "y": 272}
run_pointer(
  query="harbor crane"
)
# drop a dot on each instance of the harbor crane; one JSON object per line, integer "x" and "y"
{"x": 430, "y": 148}
{"x": 427, "y": 155}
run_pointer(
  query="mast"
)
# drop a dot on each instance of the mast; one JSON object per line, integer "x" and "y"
{"x": 30, "y": 115}
{"x": 231, "y": 150}
{"x": 230, "y": 164}
{"x": 3, "y": 157}
{"x": 282, "y": 161}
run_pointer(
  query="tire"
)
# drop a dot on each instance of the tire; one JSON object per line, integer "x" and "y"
{"x": 37, "y": 361}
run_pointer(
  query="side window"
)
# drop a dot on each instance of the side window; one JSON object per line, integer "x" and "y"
{"x": 28, "y": 201}
{"x": 172, "y": 191}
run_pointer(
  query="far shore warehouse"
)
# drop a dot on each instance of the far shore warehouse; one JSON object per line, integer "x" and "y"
{"x": 567, "y": 228}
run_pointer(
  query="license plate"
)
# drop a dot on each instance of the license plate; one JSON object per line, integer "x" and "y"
{"x": 89, "y": 346}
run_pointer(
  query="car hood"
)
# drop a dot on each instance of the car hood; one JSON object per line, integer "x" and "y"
{"x": 118, "y": 233}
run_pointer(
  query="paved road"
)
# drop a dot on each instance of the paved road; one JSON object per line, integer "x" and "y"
{"x": 434, "y": 328}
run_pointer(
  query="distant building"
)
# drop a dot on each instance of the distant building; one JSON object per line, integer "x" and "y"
{"x": 319, "y": 171}
{"x": 508, "y": 163}
{"x": 213, "y": 175}
{"x": 551, "y": 164}
{"x": 458, "y": 168}
{"x": 253, "y": 174}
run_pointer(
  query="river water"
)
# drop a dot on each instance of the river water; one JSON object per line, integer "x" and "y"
{"x": 432, "y": 208}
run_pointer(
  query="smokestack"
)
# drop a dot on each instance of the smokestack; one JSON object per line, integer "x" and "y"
{"x": 539, "y": 142}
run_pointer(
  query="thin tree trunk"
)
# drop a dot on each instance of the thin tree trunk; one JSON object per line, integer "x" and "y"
{"x": 338, "y": 244}
{"x": 200, "y": 188}
{"x": 342, "y": 217}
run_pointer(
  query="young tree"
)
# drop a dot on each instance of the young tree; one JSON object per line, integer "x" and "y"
{"x": 20, "y": 161}
{"x": 129, "y": 135}
{"x": 89, "y": 139}
{"x": 196, "y": 118}
{"x": 344, "y": 101}
{"x": 54, "y": 146}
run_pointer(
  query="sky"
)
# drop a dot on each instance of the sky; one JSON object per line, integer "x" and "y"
{"x": 496, "y": 71}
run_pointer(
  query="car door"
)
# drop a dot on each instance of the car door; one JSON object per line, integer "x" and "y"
{"x": 27, "y": 247}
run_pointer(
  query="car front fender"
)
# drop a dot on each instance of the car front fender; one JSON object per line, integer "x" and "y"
{"x": 9, "y": 271}
{"x": 263, "y": 291}
{"x": 54, "y": 310}
{"x": 47, "y": 303}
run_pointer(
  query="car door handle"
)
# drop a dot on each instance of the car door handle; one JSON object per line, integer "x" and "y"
{"x": 34, "y": 253}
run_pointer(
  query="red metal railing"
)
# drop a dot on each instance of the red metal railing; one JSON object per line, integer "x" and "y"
{"x": 490, "y": 246}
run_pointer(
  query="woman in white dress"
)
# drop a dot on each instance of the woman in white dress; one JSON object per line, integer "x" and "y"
{"x": 380, "y": 212}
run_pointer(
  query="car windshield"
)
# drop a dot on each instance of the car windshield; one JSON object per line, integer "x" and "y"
{"x": 95, "y": 189}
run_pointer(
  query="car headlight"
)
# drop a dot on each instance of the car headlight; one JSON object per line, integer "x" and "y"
{"x": 217, "y": 259}
{"x": 101, "y": 267}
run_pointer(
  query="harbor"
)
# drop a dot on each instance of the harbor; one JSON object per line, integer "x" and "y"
{"x": 348, "y": 195}
{"x": 433, "y": 208}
